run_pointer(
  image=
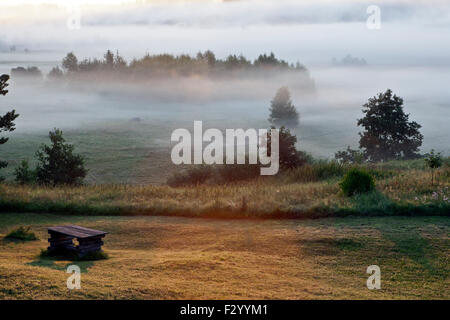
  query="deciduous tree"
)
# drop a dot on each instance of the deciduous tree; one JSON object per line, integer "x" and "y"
{"x": 388, "y": 132}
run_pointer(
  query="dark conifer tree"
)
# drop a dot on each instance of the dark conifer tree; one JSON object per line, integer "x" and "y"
{"x": 282, "y": 111}
{"x": 57, "y": 163}
{"x": 7, "y": 120}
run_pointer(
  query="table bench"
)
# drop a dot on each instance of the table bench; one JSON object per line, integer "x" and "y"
{"x": 61, "y": 239}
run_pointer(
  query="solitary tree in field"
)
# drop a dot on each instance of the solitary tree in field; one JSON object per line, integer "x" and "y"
{"x": 282, "y": 111}
{"x": 7, "y": 120}
{"x": 57, "y": 163}
{"x": 388, "y": 133}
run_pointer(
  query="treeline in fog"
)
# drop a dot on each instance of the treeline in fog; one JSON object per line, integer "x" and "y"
{"x": 168, "y": 65}
{"x": 175, "y": 77}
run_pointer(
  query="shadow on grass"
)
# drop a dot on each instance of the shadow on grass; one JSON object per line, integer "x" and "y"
{"x": 409, "y": 243}
{"x": 45, "y": 259}
{"x": 48, "y": 262}
{"x": 416, "y": 248}
{"x": 13, "y": 240}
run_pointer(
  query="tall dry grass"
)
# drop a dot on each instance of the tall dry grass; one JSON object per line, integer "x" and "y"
{"x": 295, "y": 194}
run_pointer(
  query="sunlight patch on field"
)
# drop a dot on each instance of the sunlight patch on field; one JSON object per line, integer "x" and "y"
{"x": 180, "y": 258}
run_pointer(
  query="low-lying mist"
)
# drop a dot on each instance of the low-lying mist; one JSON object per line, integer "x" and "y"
{"x": 328, "y": 115}
{"x": 123, "y": 128}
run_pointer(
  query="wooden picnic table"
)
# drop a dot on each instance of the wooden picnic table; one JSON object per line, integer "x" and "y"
{"x": 61, "y": 238}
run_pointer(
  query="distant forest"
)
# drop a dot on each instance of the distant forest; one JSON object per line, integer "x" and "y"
{"x": 113, "y": 65}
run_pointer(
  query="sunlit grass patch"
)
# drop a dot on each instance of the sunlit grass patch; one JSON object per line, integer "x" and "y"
{"x": 184, "y": 258}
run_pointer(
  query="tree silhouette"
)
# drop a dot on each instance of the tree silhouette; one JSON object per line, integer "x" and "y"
{"x": 109, "y": 59}
{"x": 6, "y": 121}
{"x": 282, "y": 111}
{"x": 204, "y": 63}
{"x": 57, "y": 164}
{"x": 388, "y": 133}
{"x": 70, "y": 62}
{"x": 289, "y": 156}
{"x": 55, "y": 73}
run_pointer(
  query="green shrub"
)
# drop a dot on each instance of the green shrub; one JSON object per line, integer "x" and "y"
{"x": 21, "y": 233}
{"x": 357, "y": 181}
{"x": 23, "y": 174}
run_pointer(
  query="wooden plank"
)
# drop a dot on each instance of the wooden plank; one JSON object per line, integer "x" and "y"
{"x": 91, "y": 232}
{"x": 59, "y": 235}
{"x": 71, "y": 231}
{"x": 76, "y": 231}
{"x": 66, "y": 232}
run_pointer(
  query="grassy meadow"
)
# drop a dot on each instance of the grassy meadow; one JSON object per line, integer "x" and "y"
{"x": 129, "y": 152}
{"x": 262, "y": 238}
{"x": 311, "y": 191}
{"x": 186, "y": 258}
{"x": 92, "y": 95}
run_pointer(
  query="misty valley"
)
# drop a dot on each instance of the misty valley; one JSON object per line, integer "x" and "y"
{"x": 130, "y": 118}
{"x": 258, "y": 150}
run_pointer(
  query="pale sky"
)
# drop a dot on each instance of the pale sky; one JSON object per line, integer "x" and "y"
{"x": 313, "y": 31}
